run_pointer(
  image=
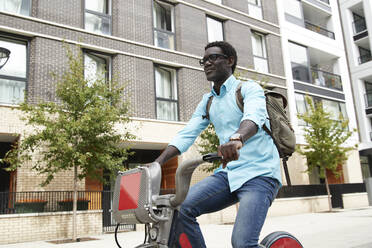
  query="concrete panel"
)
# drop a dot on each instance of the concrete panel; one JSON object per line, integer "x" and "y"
{"x": 240, "y": 37}
{"x": 355, "y": 200}
{"x": 275, "y": 55}
{"x": 191, "y": 30}
{"x": 67, "y": 12}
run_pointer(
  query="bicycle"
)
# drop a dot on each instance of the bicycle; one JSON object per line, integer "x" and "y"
{"x": 137, "y": 201}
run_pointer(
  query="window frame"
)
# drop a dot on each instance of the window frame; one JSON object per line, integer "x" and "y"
{"x": 220, "y": 2}
{"x": 316, "y": 100}
{"x": 264, "y": 49}
{"x": 20, "y": 40}
{"x": 109, "y": 15}
{"x": 365, "y": 52}
{"x": 258, "y": 4}
{"x": 301, "y": 10}
{"x": 308, "y": 66}
{"x": 218, "y": 20}
{"x": 173, "y": 23}
{"x": 29, "y": 10}
{"x": 174, "y": 79}
{"x": 368, "y": 93}
{"x": 105, "y": 56}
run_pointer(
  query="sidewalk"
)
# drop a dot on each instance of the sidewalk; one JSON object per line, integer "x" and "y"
{"x": 340, "y": 229}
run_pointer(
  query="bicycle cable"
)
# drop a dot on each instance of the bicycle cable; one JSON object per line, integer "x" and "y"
{"x": 116, "y": 235}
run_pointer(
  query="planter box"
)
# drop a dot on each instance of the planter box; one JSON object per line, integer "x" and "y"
{"x": 30, "y": 207}
{"x": 67, "y": 205}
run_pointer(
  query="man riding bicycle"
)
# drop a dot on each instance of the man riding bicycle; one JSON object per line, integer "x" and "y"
{"x": 250, "y": 170}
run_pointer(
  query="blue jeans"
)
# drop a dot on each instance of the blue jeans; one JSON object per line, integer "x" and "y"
{"x": 213, "y": 194}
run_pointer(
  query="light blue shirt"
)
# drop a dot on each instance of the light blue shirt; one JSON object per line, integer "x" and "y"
{"x": 258, "y": 156}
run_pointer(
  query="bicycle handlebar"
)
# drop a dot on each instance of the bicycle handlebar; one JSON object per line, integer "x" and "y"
{"x": 183, "y": 176}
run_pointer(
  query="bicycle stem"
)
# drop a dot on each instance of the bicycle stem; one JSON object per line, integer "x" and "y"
{"x": 183, "y": 177}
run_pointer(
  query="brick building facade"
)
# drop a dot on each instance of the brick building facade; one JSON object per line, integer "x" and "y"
{"x": 154, "y": 47}
{"x": 128, "y": 40}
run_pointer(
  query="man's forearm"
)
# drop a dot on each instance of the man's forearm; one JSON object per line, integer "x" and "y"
{"x": 168, "y": 153}
{"x": 247, "y": 129}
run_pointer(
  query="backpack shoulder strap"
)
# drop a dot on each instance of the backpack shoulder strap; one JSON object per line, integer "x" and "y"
{"x": 207, "y": 107}
{"x": 239, "y": 96}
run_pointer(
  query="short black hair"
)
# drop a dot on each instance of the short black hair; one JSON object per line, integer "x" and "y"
{"x": 227, "y": 49}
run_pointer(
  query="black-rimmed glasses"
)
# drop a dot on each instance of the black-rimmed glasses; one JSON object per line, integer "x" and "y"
{"x": 211, "y": 58}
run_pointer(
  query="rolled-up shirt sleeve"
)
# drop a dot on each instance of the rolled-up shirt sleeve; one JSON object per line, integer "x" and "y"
{"x": 186, "y": 137}
{"x": 254, "y": 103}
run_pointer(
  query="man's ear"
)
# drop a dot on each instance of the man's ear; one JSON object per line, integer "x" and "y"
{"x": 230, "y": 61}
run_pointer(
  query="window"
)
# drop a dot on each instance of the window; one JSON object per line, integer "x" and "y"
{"x": 359, "y": 23}
{"x": 366, "y": 172}
{"x": 368, "y": 95}
{"x": 22, "y": 7}
{"x": 96, "y": 67}
{"x": 294, "y": 8}
{"x": 255, "y": 9}
{"x": 216, "y": 1}
{"x": 299, "y": 61}
{"x": 365, "y": 55}
{"x": 301, "y": 106}
{"x": 97, "y": 16}
{"x": 166, "y": 94}
{"x": 336, "y": 109}
{"x": 13, "y": 76}
{"x": 215, "y": 29}
{"x": 164, "y": 25}
{"x": 259, "y": 52}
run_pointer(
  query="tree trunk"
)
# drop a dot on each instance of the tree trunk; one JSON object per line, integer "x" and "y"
{"x": 328, "y": 191}
{"x": 74, "y": 206}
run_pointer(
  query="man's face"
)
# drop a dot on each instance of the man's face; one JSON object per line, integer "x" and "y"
{"x": 218, "y": 67}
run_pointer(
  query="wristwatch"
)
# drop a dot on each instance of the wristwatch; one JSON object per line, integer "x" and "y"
{"x": 236, "y": 137}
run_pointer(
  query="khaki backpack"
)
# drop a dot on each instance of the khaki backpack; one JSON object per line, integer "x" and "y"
{"x": 281, "y": 132}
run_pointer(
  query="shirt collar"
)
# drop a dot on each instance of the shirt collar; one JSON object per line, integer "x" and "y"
{"x": 226, "y": 86}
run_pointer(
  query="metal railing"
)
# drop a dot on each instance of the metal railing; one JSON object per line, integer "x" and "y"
{"x": 48, "y": 201}
{"x": 359, "y": 26}
{"x": 319, "y": 189}
{"x": 326, "y": 79}
{"x": 319, "y": 30}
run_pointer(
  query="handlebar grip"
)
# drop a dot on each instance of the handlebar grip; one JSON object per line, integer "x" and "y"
{"x": 211, "y": 157}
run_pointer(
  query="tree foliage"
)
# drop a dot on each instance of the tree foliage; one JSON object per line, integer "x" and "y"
{"x": 209, "y": 143}
{"x": 78, "y": 129}
{"x": 325, "y": 139}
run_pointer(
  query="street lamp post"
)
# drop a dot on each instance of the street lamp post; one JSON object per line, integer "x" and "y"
{"x": 4, "y": 56}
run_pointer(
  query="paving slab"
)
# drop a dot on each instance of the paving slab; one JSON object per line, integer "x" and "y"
{"x": 339, "y": 229}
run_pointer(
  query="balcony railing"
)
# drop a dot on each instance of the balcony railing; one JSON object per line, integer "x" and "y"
{"x": 317, "y": 77}
{"x": 319, "y": 30}
{"x": 326, "y": 79}
{"x": 359, "y": 26}
{"x": 364, "y": 58}
{"x": 48, "y": 201}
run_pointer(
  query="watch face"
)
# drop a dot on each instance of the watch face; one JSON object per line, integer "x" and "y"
{"x": 235, "y": 136}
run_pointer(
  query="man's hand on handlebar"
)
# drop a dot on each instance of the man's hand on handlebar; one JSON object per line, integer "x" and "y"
{"x": 229, "y": 151}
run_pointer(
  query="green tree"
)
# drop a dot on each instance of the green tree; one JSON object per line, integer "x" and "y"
{"x": 77, "y": 131}
{"x": 325, "y": 140}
